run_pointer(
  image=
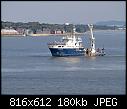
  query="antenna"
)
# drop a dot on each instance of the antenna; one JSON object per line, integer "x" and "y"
{"x": 73, "y": 32}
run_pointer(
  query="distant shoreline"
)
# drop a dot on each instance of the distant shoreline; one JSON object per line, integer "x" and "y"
{"x": 35, "y": 35}
{"x": 55, "y": 34}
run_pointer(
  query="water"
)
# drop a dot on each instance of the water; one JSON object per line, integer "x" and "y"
{"x": 29, "y": 68}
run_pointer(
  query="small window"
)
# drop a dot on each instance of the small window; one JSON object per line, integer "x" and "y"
{"x": 59, "y": 46}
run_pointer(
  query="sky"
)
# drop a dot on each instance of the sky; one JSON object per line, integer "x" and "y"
{"x": 60, "y": 12}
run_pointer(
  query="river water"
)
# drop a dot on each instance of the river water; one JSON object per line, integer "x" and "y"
{"x": 29, "y": 68}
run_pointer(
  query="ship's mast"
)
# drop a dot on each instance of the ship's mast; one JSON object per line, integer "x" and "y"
{"x": 73, "y": 35}
{"x": 92, "y": 39}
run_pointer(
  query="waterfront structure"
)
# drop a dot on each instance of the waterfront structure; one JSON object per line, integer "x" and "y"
{"x": 9, "y": 32}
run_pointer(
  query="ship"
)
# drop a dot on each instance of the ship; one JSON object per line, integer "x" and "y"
{"x": 70, "y": 45}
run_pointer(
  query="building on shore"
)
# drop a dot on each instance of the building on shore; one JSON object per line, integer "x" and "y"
{"x": 57, "y": 32}
{"x": 46, "y": 31}
{"x": 9, "y": 32}
{"x": 21, "y": 31}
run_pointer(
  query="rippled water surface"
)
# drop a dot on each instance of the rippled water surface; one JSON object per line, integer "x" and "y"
{"x": 29, "y": 68}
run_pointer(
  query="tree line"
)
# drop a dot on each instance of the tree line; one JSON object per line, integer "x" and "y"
{"x": 34, "y": 26}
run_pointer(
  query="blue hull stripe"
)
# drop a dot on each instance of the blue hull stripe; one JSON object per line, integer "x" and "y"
{"x": 67, "y": 52}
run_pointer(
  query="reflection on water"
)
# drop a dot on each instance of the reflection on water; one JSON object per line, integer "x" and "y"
{"x": 71, "y": 59}
{"x": 68, "y": 59}
{"x": 92, "y": 57}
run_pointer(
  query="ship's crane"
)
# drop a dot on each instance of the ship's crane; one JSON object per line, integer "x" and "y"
{"x": 92, "y": 51}
{"x": 92, "y": 39}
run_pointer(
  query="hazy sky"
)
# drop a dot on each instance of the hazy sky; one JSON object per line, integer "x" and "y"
{"x": 82, "y": 12}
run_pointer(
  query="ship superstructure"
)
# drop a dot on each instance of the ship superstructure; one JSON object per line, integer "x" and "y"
{"x": 71, "y": 45}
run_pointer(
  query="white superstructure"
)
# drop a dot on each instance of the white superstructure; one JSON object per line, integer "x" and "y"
{"x": 68, "y": 42}
{"x": 70, "y": 45}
